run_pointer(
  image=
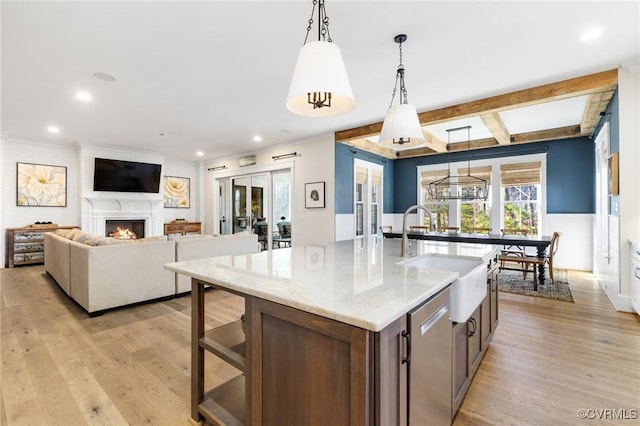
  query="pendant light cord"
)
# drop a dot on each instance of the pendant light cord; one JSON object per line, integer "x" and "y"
{"x": 323, "y": 22}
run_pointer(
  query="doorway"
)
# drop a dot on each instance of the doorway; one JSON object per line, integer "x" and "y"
{"x": 256, "y": 203}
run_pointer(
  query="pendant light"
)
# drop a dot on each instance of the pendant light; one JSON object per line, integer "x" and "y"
{"x": 320, "y": 86}
{"x": 401, "y": 127}
{"x": 459, "y": 187}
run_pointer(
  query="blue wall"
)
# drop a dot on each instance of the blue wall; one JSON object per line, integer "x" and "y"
{"x": 344, "y": 177}
{"x": 570, "y": 173}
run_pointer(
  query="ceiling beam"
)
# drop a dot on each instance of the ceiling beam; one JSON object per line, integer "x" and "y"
{"x": 372, "y": 147}
{"x": 497, "y": 128}
{"x": 548, "y": 134}
{"x": 433, "y": 142}
{"x": 596, "y": 105}
{"x": 529, "y": 137}
{"x": 593, "y": 83}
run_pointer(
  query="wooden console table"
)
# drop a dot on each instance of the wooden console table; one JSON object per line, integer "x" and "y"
{"x": 182, "y": 228}
{"x": 25, "y": 246}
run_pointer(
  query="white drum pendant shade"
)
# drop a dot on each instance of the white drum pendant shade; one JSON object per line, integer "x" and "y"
{"x": 401, "y": 121}
{"x": 320, "y": 69}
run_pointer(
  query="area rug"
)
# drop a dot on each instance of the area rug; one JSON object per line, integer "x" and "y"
{"x": 512, "y": 282}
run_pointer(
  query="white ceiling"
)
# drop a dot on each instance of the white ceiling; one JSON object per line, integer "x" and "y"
{"x": 210, "y": 75}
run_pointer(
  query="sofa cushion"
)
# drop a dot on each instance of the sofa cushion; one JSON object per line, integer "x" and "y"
{"x": 108, "y": 241}
{"x": 67, "y": 233}
{"x": 152, "y": 239}
{"x": 82, "y": 236}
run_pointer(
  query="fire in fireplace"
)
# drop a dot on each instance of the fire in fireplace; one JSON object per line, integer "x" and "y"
{"x": 125, "y": 229}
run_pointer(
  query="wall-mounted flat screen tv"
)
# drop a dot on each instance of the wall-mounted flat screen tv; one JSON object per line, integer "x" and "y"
{"x": 126, "y": 176}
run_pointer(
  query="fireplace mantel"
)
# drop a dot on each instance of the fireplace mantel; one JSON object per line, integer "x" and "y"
{"x": 97, "y": 210}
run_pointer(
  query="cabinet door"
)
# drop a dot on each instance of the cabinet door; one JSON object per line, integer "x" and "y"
{"x": 475, "y": 339}
{"x": 391, "y": 374}
{"x": 460, "y": 365}
{"x": 485, "y": 317}
{"x": 494, "y": 301}
{"x": 304, "y": 369}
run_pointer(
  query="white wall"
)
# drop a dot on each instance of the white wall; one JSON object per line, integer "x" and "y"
{"x": 314, "y": 163}
{"x": 191, "y": 171}
{"x": 629, "y": 175}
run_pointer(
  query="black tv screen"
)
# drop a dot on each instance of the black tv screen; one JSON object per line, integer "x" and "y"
{"x": 126, "y": 176}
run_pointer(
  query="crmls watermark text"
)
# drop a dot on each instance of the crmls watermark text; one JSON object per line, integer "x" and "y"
{"x": 608, "y": 413}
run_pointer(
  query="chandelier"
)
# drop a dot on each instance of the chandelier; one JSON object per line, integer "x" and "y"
{"x": 320, "y": 86}
{"x": 465, "y": 187}
{"x": 401, "y": 127}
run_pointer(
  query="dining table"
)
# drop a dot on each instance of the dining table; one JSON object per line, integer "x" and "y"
{"x": 540, "y": 242}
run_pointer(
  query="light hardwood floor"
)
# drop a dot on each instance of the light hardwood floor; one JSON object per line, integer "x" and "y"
{"x": 131, "y": 366}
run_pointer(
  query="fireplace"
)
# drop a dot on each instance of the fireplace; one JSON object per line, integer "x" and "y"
{"x": 125, "y": 229}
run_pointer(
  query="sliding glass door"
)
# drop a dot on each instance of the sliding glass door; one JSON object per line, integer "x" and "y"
{"x": 256, "y": 203}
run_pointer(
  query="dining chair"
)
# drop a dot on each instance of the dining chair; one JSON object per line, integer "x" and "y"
{"x": 513, "y": 253}
{"x": 548, "y": 259}
{"x": 386, "y": 229}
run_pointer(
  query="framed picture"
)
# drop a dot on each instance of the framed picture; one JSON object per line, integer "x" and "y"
{"x": 41, "y": 185}
{"x": 176, "y": 192}
{"x": 613, "y": 174}
{"x": 314, "y": 195}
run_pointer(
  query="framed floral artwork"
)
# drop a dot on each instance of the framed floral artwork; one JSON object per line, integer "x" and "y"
{"x": 176, "y": 192}
{"x": 41, "y": 185}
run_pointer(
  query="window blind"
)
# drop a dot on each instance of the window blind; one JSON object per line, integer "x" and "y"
{"x": 520, "y": 174}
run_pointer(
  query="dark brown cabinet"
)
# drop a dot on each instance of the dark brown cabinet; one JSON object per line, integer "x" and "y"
{"x": 25, "y": 246}
{"x": 471, "y": 339}
{"x": 182, "y": 228}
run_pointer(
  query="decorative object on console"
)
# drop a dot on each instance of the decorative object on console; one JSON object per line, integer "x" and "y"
{"x": 320, "y": 86}
{"x": 41, "y": 185}
{"x": 314, "y": 195}
{"x": 401, "y": 127}
{"x": 177, "y": 192}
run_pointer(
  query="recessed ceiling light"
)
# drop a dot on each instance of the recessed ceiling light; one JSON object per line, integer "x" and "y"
{"x": 53, "y": 129}
{"x": 257, "y": 138}
{"x": 83, "y": 96}
{"x": 104, "y": 76}
{"x": 591, "y": 34}
{"x": 199, "y": 153}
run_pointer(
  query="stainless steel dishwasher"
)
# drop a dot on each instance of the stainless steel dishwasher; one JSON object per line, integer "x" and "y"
{"x": 429, "y": 361}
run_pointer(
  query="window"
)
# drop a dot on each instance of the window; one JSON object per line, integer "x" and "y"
{"x": 367, "y": 197}
{"x": 439, "y": 208}
{"x": 520, "y": 185}
{"x": 475, "y": 213}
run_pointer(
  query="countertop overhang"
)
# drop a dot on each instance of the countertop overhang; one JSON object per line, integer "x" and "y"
{"x": 359, "y": 282}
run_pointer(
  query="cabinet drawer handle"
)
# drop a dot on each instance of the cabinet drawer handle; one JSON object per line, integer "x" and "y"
{"x": 473, "y": 323}
{"x": 635, "y": 272}
{"x": 406, "y": 348}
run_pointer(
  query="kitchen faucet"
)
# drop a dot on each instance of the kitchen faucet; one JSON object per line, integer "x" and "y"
{"x": 405, "y": 239}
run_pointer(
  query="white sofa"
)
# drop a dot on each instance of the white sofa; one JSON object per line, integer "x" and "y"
{"x": 111, "y": 273}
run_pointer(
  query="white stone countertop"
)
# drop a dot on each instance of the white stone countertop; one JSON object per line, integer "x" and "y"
{"x": 358, "y": 282}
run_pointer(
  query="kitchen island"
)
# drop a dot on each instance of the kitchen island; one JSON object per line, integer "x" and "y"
{"x": 325, "y": 336}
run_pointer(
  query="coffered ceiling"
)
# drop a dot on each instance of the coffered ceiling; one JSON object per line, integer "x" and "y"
{"x": 211, "y": 75}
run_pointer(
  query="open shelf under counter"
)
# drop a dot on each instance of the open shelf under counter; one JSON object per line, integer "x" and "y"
{"x": 224, "y": 404}
{"x": 228, "y": 343}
